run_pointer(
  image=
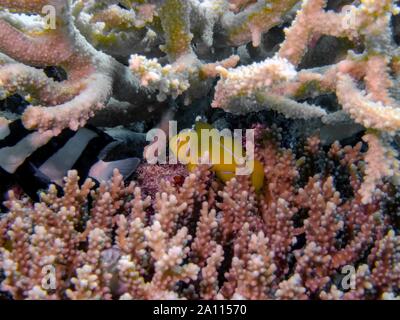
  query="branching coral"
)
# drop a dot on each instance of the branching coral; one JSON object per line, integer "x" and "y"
{"x": 86, "y": 40}
{"x": 192, "y": 236}
{"x": 92, "y": 76}
{"x": 203, "y": 239}
{"x": 243, "y": 89}
{"x": 186, "y": 73}
{"x": 174, "y": 46}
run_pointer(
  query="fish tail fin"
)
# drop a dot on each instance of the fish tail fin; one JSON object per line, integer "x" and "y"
{"x": 103, "y": 171}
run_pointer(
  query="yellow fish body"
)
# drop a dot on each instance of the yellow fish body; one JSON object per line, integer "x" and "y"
{"x": 226, "y": 156}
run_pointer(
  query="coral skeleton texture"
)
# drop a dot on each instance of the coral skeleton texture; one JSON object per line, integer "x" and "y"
{"x": 189, "y": 235}
{"x": 91, "y": 37}
{"x": 206, "y": 240}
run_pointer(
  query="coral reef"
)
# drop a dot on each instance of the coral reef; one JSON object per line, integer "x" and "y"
{"x": 128, "y": 66}
{"x": 275, "y": 82}
{"x": 170, "y": 47}
{"x": 202, "y": 239}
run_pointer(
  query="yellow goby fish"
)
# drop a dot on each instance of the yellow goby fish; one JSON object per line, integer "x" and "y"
{"x": 226, "y": 154}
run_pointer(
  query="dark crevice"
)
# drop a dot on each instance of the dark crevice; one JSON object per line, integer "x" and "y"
{"x": 56, "y": 73}
{"x": 14, "y": 104}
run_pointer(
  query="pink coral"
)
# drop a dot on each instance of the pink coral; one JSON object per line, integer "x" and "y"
{"x": 203, "y": 239}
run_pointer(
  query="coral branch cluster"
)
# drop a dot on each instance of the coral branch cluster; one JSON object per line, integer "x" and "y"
{"x": 175, "y": 47}
{"x": 363, "y": 81}
{"x": 200, "y": 238}
{"x": 27, "y": 43}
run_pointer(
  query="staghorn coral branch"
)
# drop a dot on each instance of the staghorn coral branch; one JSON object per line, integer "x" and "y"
{"x": 195, "y": 32}
{"x": 351, "y": 22}
{"x": 248, "y": 88}
{"x": 277, "y": 83}
{"x": 379, "y": 166}
{"x": 42, "y": 50}
{"x": 255, "y": 20}
{"x": 174, "y": 15}
{"x": 74, "y": 113}
{"x": 17, "y": 77}
{"x": 24, "y": 5}
{"x": 365, "y": 111}
{"x": 252, "y": 88}
{"x": 97, "y": 74}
